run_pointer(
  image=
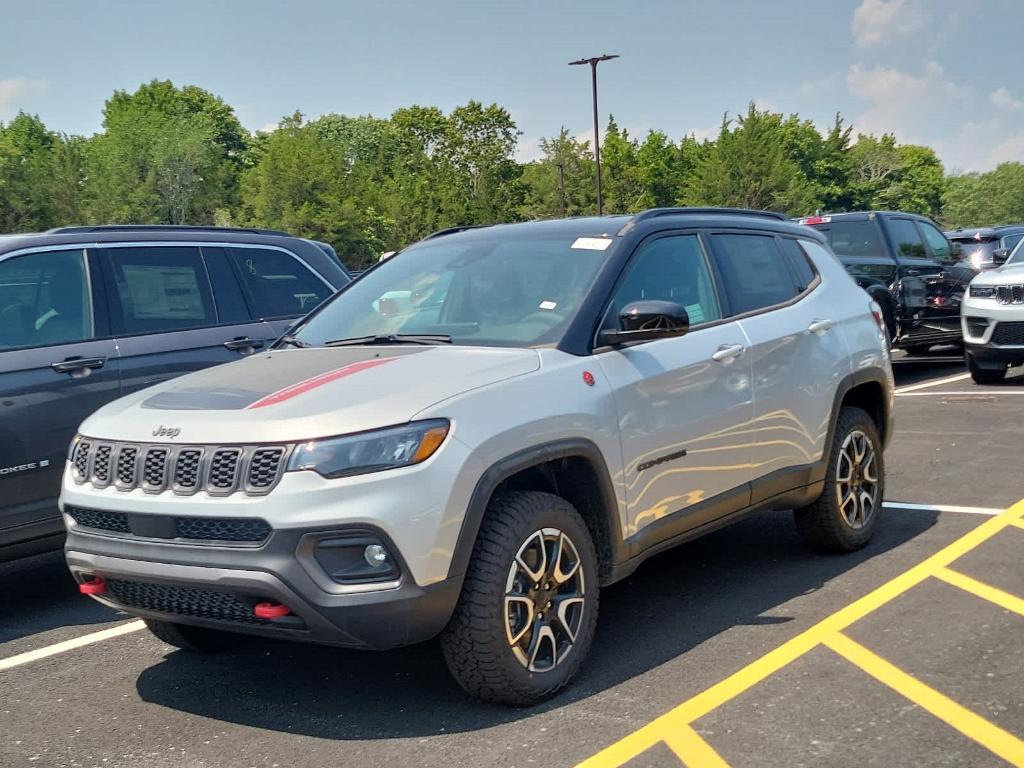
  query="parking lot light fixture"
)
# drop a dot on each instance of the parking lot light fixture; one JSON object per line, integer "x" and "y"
{"x": 593, "y": 62}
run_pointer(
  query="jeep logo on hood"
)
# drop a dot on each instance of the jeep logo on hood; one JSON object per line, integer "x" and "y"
{"x": 163, "y": 431}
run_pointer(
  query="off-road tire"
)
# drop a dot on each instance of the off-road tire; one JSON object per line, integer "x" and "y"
{"x": 822, "y": 524}
{"x": 190, "y": 638}
{"x": 984, "y": 375}
{"x": 475, "y": 645}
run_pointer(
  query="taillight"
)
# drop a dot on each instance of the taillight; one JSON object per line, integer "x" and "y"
{"x": 876, "y": 312}
{"x": 810, "y": 221}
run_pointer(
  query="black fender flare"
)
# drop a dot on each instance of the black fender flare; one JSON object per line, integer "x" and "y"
{"x": 849, "y": 382}
{"x": 533, "y": 456}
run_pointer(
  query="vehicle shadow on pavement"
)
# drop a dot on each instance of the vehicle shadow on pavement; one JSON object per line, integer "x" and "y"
{"x": 40, "y": 595}
{"x": 671, "y": 604}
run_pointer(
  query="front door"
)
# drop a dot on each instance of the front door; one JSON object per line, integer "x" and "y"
{"x": 54, "y": 372}
{"x": 684, "y": 404}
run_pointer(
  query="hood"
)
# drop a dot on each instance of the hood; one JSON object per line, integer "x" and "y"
{"x": 296, "y": 394}
{"x": 1008, "y": 274}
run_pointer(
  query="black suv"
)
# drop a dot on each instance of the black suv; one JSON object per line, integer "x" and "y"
{"x": 985, "y": 247}
{"x": 908, "y": 266}
{"x": 88, "y": 314}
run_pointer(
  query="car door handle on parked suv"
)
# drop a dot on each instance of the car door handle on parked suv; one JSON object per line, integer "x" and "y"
{"x": 819, "y": 326}
{"x": 241, "y": 344}
{"x": 78, "y": 364}
{"x": 727, "y": 353}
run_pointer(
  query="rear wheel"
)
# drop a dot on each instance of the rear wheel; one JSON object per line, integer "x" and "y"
{"x": 844, "y": 517}
{"x": 190, "y": 638}
{"x": 528, "y": 609}
{"x": 985, "y": 375}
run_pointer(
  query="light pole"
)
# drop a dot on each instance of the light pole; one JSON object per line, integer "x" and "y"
{"x": 593, "y": 62}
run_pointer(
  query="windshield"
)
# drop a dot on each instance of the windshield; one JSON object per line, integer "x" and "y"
{"x": 1010, "y": 241}
{"x": 853, "y": 238}
{"x": 510, "y": 290}
{"x": 976, "y": 250}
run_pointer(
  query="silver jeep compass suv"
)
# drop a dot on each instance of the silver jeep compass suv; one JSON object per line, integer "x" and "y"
{"x": 478, "y": 434}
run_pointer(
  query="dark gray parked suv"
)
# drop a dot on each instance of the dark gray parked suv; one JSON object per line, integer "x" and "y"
{"x": 89, "y": 314}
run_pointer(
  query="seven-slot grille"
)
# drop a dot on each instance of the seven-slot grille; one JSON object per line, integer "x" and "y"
{"x": 218, "y": 470}
{"x": 1010, "y": 294}
{"x": 1008, "y": 333}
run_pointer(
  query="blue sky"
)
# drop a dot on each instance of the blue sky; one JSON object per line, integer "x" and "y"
{"x": 942, "y": 72}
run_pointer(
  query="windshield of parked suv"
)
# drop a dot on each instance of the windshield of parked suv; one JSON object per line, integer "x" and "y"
{"x": 854, "y": 238}
{"x": 1010, "y": 241}
{"x": 1017, "y": 254}
{"x": 506, "y": 289}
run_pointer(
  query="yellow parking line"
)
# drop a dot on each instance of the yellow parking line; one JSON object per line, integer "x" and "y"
{"x": 673, "y": 721}
{"x": 689, "y": 747}
{"x": 982, "y": 590}
{"x": 1018, "y": 523}
{"x": 971, "y": 725}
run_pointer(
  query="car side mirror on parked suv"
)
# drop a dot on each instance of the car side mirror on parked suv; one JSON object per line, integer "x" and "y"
{"x": 647, "y": 320}
{"x": 1000, "y": 255}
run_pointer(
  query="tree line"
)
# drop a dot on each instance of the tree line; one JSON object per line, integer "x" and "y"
{"x": 169, "y": 155}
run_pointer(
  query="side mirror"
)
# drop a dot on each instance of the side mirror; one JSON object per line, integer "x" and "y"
{"x": 648, "y": 320}
{"x": 1000, "y": 255}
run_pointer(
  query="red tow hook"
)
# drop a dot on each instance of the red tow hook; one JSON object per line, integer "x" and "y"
{"x": 96, "y": 585}
{"x": 270, "y": 610}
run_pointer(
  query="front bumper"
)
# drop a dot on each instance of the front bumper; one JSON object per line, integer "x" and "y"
{"x": 218, "y": 587}
{"x": 980, "y": 319}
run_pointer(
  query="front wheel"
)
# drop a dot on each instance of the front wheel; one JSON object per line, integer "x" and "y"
{"x": 192, "y": 638}
{"x": 844, "y": 517}
{"x": 528, "y": 609}
{"x": 985, "y": 375}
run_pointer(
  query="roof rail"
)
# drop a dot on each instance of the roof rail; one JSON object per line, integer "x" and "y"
{"x": 453, "y": 230}
{"x": 652, "y": 213}
{"x": 161, "y": 228}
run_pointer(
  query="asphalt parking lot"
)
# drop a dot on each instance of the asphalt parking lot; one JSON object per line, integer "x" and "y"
{"x": 738, "y": 649}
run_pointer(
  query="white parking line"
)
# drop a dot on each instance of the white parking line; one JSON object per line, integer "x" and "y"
{"x": 969, "y": 393}
{"x": 70, "y": 645}
{"x": 926, "y": 384}
{"x": 942, "y": 508}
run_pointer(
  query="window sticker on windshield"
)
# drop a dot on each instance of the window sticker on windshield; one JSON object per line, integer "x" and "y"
{"x": 548, "y": 304}
{"x": 592, "y": 243}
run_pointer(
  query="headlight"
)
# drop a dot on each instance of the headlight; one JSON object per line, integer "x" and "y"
{"x": 983, "y": 291}
{"x": 371, "y": 451}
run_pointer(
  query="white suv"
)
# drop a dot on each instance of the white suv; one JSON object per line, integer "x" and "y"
{"x": 992, "y": 315}
{"x": 479, "y": 433}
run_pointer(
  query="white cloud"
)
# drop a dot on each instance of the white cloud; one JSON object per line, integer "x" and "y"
{"x": 268, "y": 128}
{"x": 1004, "y": 100}
{"x": 15, "y": 91}
{"x": 879, "y": 21}
{"x": 528, "y": 149}
{"x": 917, "y": 108}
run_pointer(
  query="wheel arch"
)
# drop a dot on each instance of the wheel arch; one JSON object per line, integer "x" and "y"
{"x": 574, "y": 469}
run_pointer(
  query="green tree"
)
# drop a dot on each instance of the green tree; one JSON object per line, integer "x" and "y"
{"x": 748, "y": 167}
{"x": 562, "y": 182}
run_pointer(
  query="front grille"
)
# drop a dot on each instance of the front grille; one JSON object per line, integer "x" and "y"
{"x": 154, "y": 468}
{"x": 101, "y": 464}
{"x": 1010, "y": 294}
{"x": 100, "y": 519}
{"x": 126, "y": 465}
{"x": 81, "y": 459}
{"x": 219, "y": 470}
{"x": 263, "y": 469}
{"x": 224, "y": 469}
{"x": 1008, "y": 333}
{"x": 186, "y": 469}
{"x": 181, "y": 601}
{"x": 218, "y": 529}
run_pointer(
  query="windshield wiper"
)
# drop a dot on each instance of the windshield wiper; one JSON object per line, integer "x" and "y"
{"x": 295, "y": 341}
{"x": 392, "y": 338}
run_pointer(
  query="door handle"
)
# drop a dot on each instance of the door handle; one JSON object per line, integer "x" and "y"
{"x": 819, "y": 326}
{"x": 72, "y": 364}
{"x": 727, "y": 353}
{"x": 242, "y": 343}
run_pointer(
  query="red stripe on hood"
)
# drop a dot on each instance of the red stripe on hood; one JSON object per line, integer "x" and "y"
{"x": 319, "y": 380}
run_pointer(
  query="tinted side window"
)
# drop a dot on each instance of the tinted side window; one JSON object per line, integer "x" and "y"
{"x": 161, "y": 289}
{"x": 854, "y": 238}
{"x": 669, "y": 269}
{"x": 279, "y": 285}
{"x": 936, "y": 241}
{"x": 799, "y": 263}
{"x": 227, "y": 292}
{"x": 754, "y": 273}
{"x": 44, "y": 299}
{"x": 905, "y": 239}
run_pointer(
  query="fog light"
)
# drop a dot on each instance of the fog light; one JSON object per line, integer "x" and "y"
{"x": 376, "y": 556}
